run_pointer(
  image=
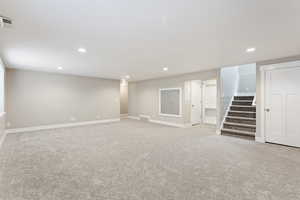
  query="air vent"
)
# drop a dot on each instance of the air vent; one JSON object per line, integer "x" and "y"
{"x": 5, "y": 21}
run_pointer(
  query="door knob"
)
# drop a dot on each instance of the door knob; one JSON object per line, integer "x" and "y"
{"x": 267, "y": 109}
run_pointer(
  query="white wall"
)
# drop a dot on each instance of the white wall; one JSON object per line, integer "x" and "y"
{"x": 2, "y": 79}
{"x": 124, "y": 97}
{"x": 247, "y": 79}
{"x": 39, "y": 98}
{"x": 230, "y": 82}
{"x": 132, "y": 99}
{"x": 144, "y": 95}
{"x": 2, "y": 111}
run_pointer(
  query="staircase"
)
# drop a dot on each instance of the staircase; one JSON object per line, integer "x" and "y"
{"x": 241, "y": 118}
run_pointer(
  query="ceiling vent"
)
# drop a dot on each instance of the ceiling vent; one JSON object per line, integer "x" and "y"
{"x": 5, "y": 22}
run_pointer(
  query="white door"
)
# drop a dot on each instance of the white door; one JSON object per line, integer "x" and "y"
{"x": 282, "y": 106}
{"x": 196, "y": 101}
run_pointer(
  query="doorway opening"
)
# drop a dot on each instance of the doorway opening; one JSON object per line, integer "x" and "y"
{"x": 238, "y": 101}
{"x": 203, "y": 102}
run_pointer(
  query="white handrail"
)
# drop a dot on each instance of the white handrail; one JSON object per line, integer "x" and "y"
{"x": 254, "y": 101}
{"x": 226, "y": 112}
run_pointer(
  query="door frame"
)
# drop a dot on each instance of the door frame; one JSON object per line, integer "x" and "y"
{"x": 191, "y": 105}
{"x": 204, "y": 86}
{"x": 263, "y": 70}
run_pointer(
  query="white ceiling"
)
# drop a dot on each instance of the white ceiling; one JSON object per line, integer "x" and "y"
{"x": 140, "y": 37}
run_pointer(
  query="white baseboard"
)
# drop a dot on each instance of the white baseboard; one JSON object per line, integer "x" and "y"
{"x": 260, "y": 139}
{"x": 124, "y": 116}
{"x": 188, "y": 125}
{"x": 145, "y": 117}
{"x": 133, "y": 117}
{"x": 157, "y": 121}
{"x": 54, "y": 126}
{"x": 167, "y": 123}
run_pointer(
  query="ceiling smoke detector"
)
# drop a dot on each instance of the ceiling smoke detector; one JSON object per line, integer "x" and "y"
{"x": 5, "y": 22}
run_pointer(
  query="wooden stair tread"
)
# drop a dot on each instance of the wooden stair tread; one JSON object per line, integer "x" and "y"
{"x": 236, "y": 111}
{"x": 247, "y": 133}
{"x": 240, "y": 124}
{"x": 243, "y": 100}
{"x": 241, "y": 118}
{"x": 243, "y": 106}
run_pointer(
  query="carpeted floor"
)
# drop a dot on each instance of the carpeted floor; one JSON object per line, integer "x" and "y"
{"x": 133, "y": 160}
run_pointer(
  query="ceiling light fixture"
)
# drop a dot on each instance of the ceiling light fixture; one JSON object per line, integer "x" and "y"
{"x": 165, "y": 69}
{"x": 127, "y": 77}
{"x": 59, "y": 68}
{"x": 81, "y": 50}
{"x": 250, "y": 50}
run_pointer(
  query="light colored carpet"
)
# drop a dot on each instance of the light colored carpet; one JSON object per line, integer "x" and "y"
{"x": 134, "y": 160}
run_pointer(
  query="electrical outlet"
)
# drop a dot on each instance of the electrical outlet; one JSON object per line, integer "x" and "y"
{"x": 72, "y": 119}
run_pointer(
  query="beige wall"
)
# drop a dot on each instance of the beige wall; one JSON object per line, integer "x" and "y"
{"x": 144, "y": 99}
{"x": 132, "y": 99}
{"x": 124, "y": 97}
{"x": 258, "y": 86}
{"x": 39, "y": 98}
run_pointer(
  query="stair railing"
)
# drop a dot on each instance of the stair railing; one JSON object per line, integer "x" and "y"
{"x": 226, "y": 112}
{"x": 254, "y": 101}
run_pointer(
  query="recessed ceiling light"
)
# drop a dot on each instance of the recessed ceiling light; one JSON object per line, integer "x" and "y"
{"x": 165, "y": 69}
{"x": 252, "y": 49}
{"x": 127, "y": 77}
{"x": 59, "y": 68}
{"x": 81, "y": 50}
